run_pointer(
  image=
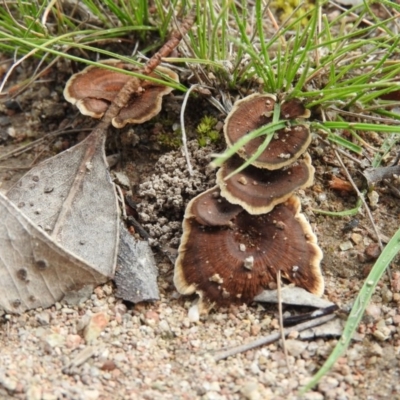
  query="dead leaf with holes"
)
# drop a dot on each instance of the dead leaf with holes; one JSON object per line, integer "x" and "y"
{"x": 34, "y": 270}
{"x": 71, "y": 197}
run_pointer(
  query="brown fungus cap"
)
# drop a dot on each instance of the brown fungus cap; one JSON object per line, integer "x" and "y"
{"x": 210, "y": 209}
{"x": 294, "y": 108}
{"x": 251, "y": 113}
{"x": 232, "y": 264}
{"x": 93, "y": 89}
{"x": 258, "y": 191}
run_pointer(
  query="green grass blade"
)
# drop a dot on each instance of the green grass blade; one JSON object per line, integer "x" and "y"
{"x": 361, "y": 126}
{"x": 267, "y": 130}
{"x": 345, "y": 213}
{"x": 360, "y": 304}
{"x": 334, "y": 138}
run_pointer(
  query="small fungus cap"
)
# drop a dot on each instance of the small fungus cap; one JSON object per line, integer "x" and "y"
{"x": 232, "y": 264}
{"x": 257, "y": 190}
{"x": 251, "y": 113}
{"x": 93, "y": 89}
{"x": 210, "y": 209}
{"x": 294, "y": 108}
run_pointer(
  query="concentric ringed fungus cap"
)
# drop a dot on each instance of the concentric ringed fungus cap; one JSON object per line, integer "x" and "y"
{"x": 232, "y": 264}
{"x": 251, "y": 113}
{"x": 258, "y": 191}
{"x": 294, "y": 108}
{"x": 210, "y": 209}
{"x": 93, "y": 89}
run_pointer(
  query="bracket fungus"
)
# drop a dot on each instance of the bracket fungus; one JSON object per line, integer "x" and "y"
{"x": 93, "y": 89}
{"x": 294, "y": 108}
{"x": 254, "y": 111}
{"x": 239, "y": 234}
{"x": 233, "y": 263}
{"x": 258, "y": 191}
{"x": 210, "y": 209}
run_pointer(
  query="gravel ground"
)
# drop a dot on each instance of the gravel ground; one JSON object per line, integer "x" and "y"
{"x": 101, "y": 349}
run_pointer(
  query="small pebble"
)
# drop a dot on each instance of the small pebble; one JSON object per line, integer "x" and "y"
{"x": 376, "y": 350}
{"x": 108, "y": 365}
{"x": 372, "y": 251}
{"x": 374, "y": 310}
{"x": 373, "y": 198}
{"x": 356, "y": 238}
{"x": 43, "y": 318}
{"x": 344, "y": 246}
{"x": 387, "y": 295}
{"x": 34, "y": 393}
{"x": 295, "y": 347}
{"x": 96, "y": 325}
{"x": 250, "y": 391}
{"x": 73, "y": 341}
{"x": 381, "y": 332}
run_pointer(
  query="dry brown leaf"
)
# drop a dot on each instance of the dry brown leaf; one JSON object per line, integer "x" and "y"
{"x": 71, "y": 197}
{"x": 34, "y": 270}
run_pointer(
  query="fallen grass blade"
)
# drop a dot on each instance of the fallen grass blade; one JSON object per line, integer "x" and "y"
{"x": 345, "y": 213}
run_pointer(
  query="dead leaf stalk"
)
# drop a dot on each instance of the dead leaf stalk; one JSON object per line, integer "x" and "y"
{"x": 273, "y": 337}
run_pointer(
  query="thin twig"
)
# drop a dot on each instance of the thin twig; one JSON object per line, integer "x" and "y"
{"x": 361, "y": 196}
{"x": 16, "y": 63}
{"x": 341, "y": 151}
{"x": 184, "y": 140}
{"x": 121, "y": 198}
{"x": 22, "y": 149}
{"x": 134, "y": 84}
{"x": 275, "y": 25}
{"x": 171, "y": 44}
{"x": 34, "y": 78}
{"x": 281, "y": 329}
{"x": 365, "y": 116}
{"x": 353, "y": 14}
{"x": 46, "y": 13}
{"x": 15, "y": 168}
{"x": 273, "y": 337}
{"x": 367, "y": 209}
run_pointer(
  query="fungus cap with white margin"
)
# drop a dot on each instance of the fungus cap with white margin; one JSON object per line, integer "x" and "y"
{"x": 258, "y": 190}
{"x": 234, "y": 262}
{"x": 251, "y": 113}
{"x": 93, "y": 89}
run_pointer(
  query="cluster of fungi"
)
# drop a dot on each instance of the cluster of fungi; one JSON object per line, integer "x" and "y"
{"x": 240, "y": 233}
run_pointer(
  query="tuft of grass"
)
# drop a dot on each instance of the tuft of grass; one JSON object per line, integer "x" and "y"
{"x": 81, "y": 33}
